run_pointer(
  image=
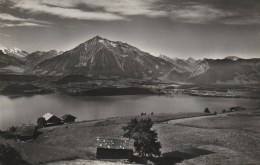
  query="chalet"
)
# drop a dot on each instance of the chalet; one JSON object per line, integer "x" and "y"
{"x": 26, "y": 133}
{"x": 67, "y": 118}
{"x": 114, "y": 149}
{"x": 51, "y": 119}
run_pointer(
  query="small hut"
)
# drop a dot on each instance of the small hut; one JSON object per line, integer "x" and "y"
{"x": 68, "y": 118}
{"x": 51, "y": 119}
{"x": 26, "y": 133}
{"x": 114, "y": 148}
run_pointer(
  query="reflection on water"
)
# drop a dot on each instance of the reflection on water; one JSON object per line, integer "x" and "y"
{"x": 14, "y": 111}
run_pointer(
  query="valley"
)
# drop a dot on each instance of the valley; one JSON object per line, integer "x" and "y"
{"x": 78, "y": 85}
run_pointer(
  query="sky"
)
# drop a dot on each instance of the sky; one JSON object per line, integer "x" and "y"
{"x": 176, "y": 28}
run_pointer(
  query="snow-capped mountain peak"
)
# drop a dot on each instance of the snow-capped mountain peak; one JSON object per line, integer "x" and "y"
{"x": 3, "y": 49}
{"x": 16, "y": 52}
{"x": 103, "y": 41}
{"x": 109, "y": 44}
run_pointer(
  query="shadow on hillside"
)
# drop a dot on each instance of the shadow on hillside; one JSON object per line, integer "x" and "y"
{"x": 9, "y": 156}
{"x": 173, "y": 157}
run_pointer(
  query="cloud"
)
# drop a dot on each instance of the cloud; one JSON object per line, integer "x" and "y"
{"x": 38, "y": 7}
{"x": 9, "y": 17}
{"x": 188, "y": 11}
{"x": 147, "y": 8}
{"x": 111, "y": 9}
{"x": 13, "y": 21}
{"x": 24, "y": 24}
{"x": 198, "y": 14}
{"x": 246, "y": 20}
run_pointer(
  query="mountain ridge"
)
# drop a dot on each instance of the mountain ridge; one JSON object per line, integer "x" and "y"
{"x": 36, "y": 57}
{"x": 102, "y": 58}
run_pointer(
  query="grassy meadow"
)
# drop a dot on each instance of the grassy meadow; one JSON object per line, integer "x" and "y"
{"x": 236, "y": 131}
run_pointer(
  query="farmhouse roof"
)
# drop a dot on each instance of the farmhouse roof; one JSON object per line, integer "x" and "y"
{"x": 114, "y": 143}
{"x": 47, "y": 116}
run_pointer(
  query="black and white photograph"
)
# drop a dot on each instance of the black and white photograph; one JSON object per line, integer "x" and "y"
{"x": 140, "y": 82}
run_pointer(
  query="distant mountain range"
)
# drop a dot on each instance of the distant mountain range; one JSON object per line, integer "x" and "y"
{"x": 37, "y": 57}
{"x": 11, "y": 60}
{"x": 15, "y": 52}
{"x": 102, "y": 58}
{"x": 239, "y": 71}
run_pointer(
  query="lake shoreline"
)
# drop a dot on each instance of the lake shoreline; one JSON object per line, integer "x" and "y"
{"x": 90, "y": 108}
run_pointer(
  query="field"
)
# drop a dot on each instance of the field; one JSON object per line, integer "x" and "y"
{"x": 234, "y": 134}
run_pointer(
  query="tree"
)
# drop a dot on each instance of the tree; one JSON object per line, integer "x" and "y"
{"x": 41, "y": 122}
{"x": 206, "y": 110}
{"x": 146, "y": 140}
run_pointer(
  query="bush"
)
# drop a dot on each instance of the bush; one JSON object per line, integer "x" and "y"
{"x": 206, "y": 110}
{"x": 224, "y": 111}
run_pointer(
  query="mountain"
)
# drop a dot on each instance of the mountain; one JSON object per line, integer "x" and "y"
{"x": 35, "y": 58}
{"x": 100, "y": 57}
{"x": 15, "y": 52}
{"x": 192, "y": 60}
{"x": 229, "y": 71}
{"x": 182, "y": 65}
{"x": 184, "y": 69}
{"x": 103, "y": 58}
{"x": 10, "y": 64}
{"x": 12, "y": 60}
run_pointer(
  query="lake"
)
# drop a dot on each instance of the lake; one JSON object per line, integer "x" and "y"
{"x": 24, "y": 110}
